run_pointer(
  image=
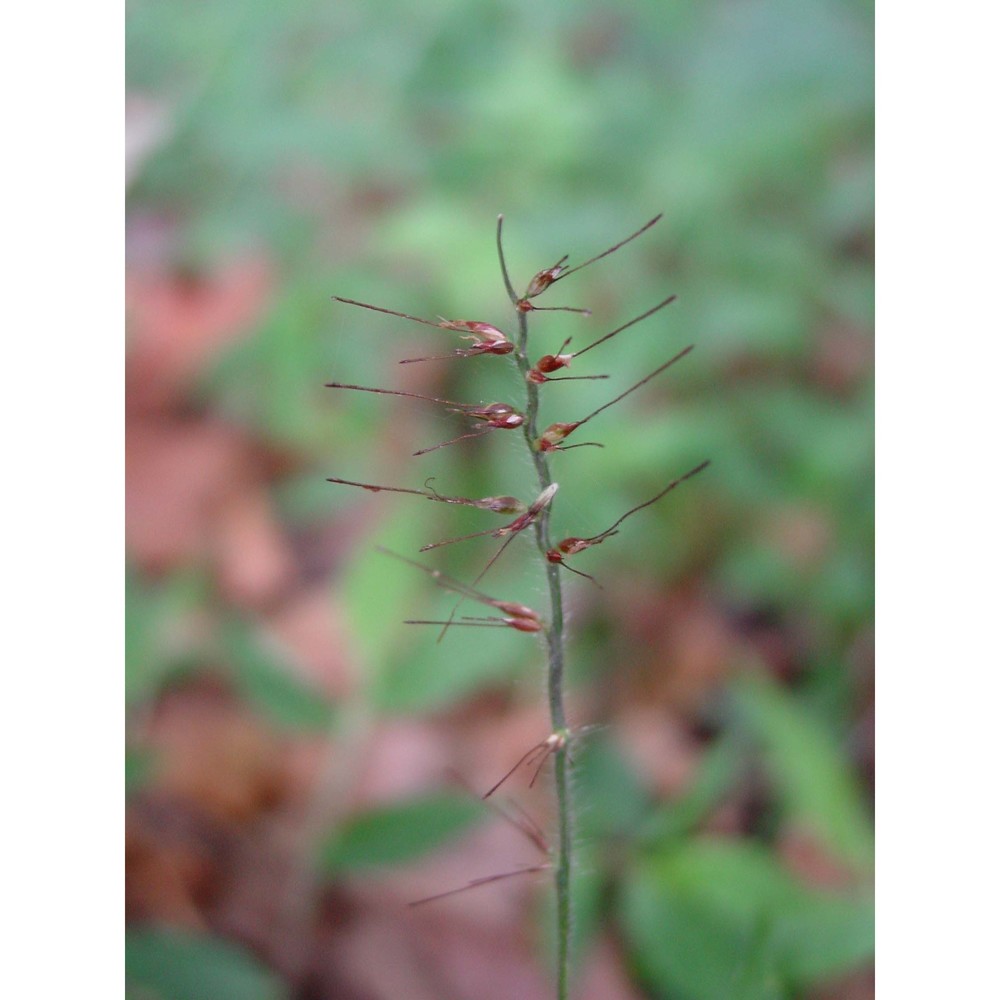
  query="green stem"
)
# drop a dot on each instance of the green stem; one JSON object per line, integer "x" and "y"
{"x": 554, "y": 638}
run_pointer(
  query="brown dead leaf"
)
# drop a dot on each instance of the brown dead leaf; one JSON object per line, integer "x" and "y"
{"x": 255, "y": 562}
{"x": 469, "y": 961}
{"x": 178, "y": 322}
{"x": 477, "y": 943}
{"x": 310, "y": 631}
{"x": 403, "y": 757}
{"x": 216, "y": 757}
{"x": 844, "y": 356}
{"x": 370, "y": 959}
{"x": 655, "y": 740}
{"x": 168, "y": 876}
{"x": 176, "y": 475}
{"x": 853, "y": 986}
{"x": 682, "y": 647}
{"x": 603, "y": 976}
{"x": 195, "y": 493}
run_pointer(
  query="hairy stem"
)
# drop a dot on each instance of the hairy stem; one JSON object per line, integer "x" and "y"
{"x": 554, "y": 639}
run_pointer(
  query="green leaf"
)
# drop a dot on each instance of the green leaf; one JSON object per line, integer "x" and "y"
{"x": 426, "y": 675}
{"x": 174, "y": 965}
{"x": 686, "y": 950}
{"x": 138, "y": 764}
{"x": 154, "y": 617}
{"x": 716, "y": 773}
{"x": 377, "y": 590}
{"x": 400, "y": 833}
{"x": 825, "y": 936}
{"x": 614, "y": 798}
{"x": 718, "y": 919}
{"x": 815, "y": 781}
{"x": 270, "y": 685}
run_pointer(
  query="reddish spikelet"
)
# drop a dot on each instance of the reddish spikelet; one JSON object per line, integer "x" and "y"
{"x": 484, "y": 333}
{"x": 510, "y": 530}
{"x": 548, "y": 363}
{"x": 467, "y": 352}
{"x": 500, "y": 415}
{"x": 540, "y": 750}
{"x": 485, "y": 338}
{"x": 553, "y": 362}
{"x": 572, "y": 546}
{"x": 518, "y": 524}
{"x": 544, "y": 279}
{"x": 539, "y": 379}
{"x": 520, "y": 624}
{"x": 495, "y": 416}
{"x": 498, "y": 505}
{"x": 520, "y": 612}
{"x": 552, "y": 437}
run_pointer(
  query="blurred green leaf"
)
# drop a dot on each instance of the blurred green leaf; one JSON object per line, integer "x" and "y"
{"x": 815, "y": 782}
{"x": 375, "y": 588}
{"x": 162, "y": 964}
{"x": 156, "y": 644}
{"x": 268, "y": 683}
{"x": 825, "y": 936}
{"x": 422, "y": 674}
{"x": 401, "y": 832}
{"x": 716, "y": 773}
{"x": 426, "y": 676}
{"x": 614, "y": 798}
{"x": 138, "y": 764}
{"x": 685, "y": 949}
{"x": 715, "y": 919}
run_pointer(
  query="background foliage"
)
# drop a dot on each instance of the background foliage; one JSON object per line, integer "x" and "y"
{"x": 290, "y": 740}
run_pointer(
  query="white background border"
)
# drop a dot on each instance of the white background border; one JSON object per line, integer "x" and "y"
{"x": 61, "y": 407}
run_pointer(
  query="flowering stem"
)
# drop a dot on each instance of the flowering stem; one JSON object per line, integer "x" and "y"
{"x": 554, "y": 639}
